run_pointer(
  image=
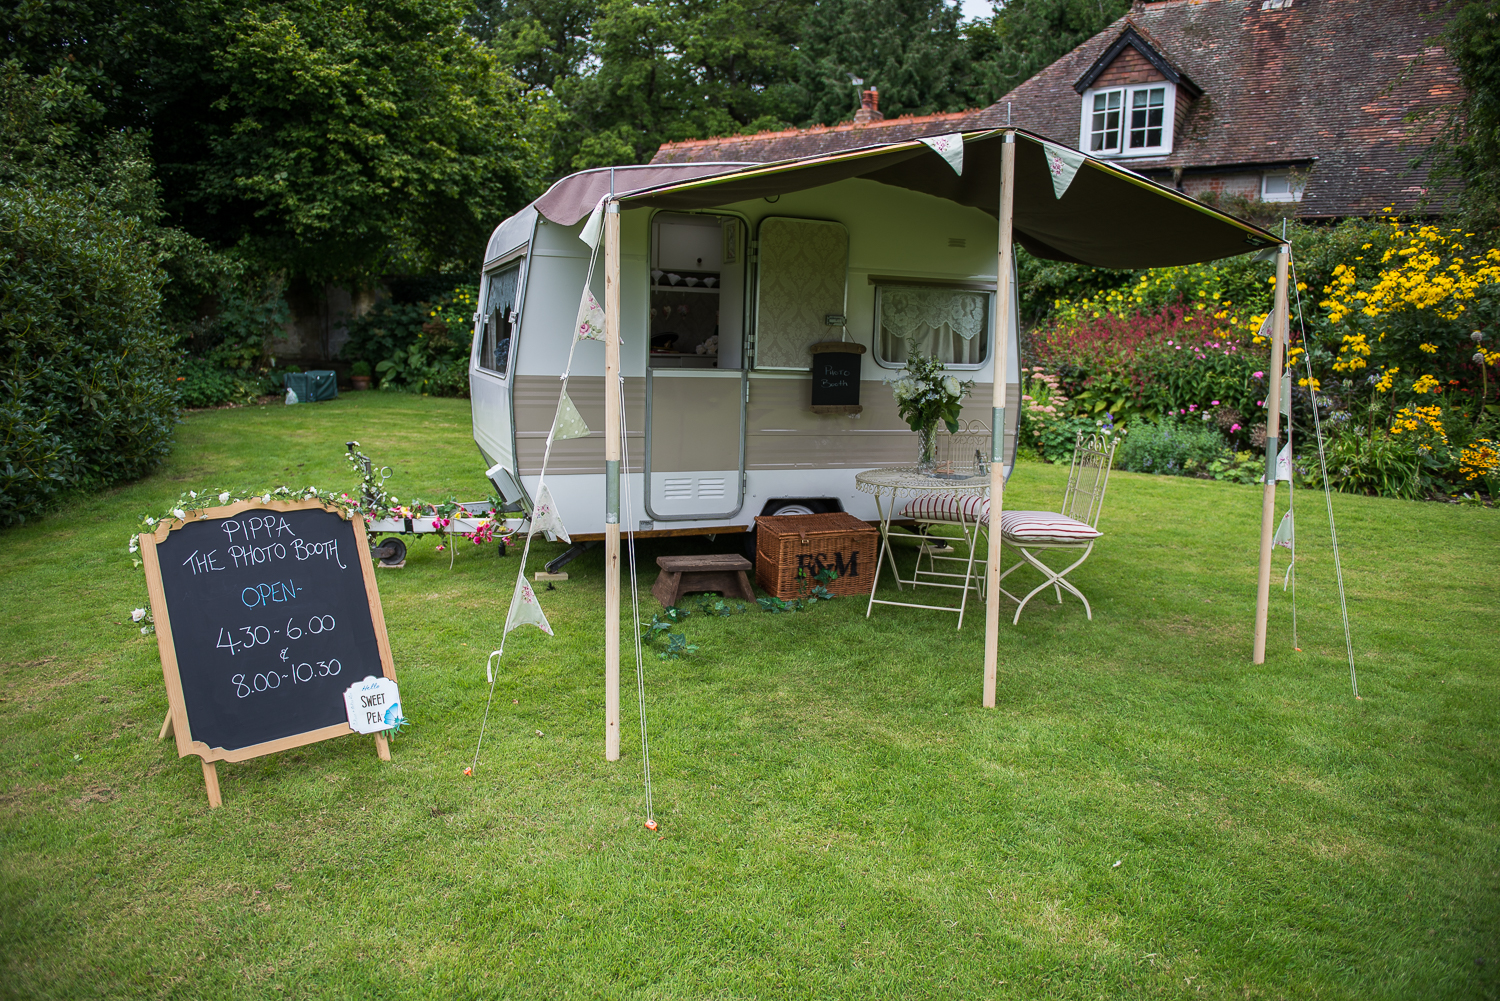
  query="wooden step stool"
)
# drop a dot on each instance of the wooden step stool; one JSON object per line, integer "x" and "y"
{"x": 721, "y": 572}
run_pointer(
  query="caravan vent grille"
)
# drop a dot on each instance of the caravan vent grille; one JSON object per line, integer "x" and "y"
{"x": 677, "y": 489}
{"x": 958, "y": 241}
{"x": 711, "y": 489}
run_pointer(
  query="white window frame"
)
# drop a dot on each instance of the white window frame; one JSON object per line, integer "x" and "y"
{"x": 1127, "y": 99}
{"x": 481, "y": 332}
{"x": 1296, "y": 184}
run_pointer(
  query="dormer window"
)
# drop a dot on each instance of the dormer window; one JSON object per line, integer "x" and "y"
{"x": 1128, "y": 121}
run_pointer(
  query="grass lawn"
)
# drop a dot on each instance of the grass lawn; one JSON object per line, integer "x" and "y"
{"x": 1146, "y": 814}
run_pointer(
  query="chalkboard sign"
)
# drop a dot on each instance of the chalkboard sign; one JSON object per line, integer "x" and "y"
{"x": 835, "y": 377}
{"x": 265, "y": 614}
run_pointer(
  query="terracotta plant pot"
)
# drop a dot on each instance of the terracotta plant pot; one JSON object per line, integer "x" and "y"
{"x": 360, "y": 381}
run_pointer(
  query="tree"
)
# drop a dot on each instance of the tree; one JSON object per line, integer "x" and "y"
{"x": 671, "y": 70}
{"x": 911, "y": 50}
{"x": 1026, "y": 36}
{"x": 539, "y": 41}
{"x": 86, "y": 361}
{"x": 335, "y": 140}
{"x": 1468, "y": 151}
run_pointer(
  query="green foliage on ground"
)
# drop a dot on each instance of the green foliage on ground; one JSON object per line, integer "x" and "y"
{"x": 419, "y": 347}
{"x": 838, "y": 816}
{"x": 1173, "y": 446}
{"x": 1394, "y": 325}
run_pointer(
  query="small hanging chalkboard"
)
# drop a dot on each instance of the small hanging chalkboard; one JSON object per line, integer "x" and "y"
{"x": 835, "y": 377}
{"x": 265, "y": 614}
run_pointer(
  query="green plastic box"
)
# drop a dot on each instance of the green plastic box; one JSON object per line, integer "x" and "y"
{"x": 313, "y": 387}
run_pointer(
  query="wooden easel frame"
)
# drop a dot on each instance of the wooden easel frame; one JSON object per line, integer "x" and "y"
{"x": 177, "y": 723}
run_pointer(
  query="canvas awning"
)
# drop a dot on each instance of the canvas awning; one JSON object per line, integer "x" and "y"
{"x": 574, "y": 197}
{"x": 1109, "y": 217}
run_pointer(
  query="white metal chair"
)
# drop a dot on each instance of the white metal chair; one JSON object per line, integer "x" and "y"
{"x": 1074, "y": 529}
{"x": 961, "y": 453}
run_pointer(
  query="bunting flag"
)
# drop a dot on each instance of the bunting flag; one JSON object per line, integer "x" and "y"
{"x": 590, "y": 323}
{"x": 544, "y": 516}
{"x": 1062, "y": 164}
{"x": 1266, "y": 326}
{"x": 595, "y": 226}
{"x": 1284, "y": 463}
{"x": 1286, "y": 393}
{"x": 1285, "y": 532}
{"x": 569, "y": 422}
{"x": 525, "y": 610}
{"x": 950, "y": 148}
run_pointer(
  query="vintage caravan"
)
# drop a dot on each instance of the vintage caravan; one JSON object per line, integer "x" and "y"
{"x": 719, "y": 308}
{"x": 729, "y": 274}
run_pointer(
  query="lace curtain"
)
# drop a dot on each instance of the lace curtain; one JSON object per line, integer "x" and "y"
{"x": 494, "y": 351}
{"x": 950, "y": 323}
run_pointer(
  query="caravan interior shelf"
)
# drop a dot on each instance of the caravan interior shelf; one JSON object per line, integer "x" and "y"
{"x": 684, "y": 288}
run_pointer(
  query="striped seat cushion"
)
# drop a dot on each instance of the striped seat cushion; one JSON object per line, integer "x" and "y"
{"x": 948, "y": 507}
{"x": 1044, "y": 526}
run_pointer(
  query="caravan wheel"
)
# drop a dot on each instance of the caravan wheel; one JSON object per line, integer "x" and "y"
{"x": 797, "y": 507}
{"x": 390, "y": 552}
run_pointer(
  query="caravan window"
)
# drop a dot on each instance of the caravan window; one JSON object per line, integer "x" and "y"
{"x": 952, "y": 323}
{"x": 499, "y": 319}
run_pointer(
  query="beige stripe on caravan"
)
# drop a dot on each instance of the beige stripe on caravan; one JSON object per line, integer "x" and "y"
{"x": 536, "y": 406}
{"x": 784, "y": 433}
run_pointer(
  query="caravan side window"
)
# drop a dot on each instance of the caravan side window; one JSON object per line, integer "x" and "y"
{"x": 952, "y": 323}
{"x": 501, "y": 289}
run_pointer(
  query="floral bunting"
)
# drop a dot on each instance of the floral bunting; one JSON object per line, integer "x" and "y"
{"x": 1285, "y": 532}
{"x": 1062, "y": 164}
{"x": 950, "y": 147}
{"x": 1284, "y": 464}
{"x": 590, "y": 323}
{"x": 524, "y": 608}
{"x": 544, "y": 516}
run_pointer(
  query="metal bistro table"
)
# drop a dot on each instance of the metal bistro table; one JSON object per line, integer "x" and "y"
{"x": 889, "y": 486}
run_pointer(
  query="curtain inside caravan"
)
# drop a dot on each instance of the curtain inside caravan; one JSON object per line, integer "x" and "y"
{"x": 950, "y": 323}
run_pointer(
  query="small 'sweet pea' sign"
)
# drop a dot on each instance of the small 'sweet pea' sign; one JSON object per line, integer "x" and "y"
{"x": 374, "y": 704}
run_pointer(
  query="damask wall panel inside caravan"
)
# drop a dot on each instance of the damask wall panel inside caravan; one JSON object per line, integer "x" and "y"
{"x": 804, "y": 267}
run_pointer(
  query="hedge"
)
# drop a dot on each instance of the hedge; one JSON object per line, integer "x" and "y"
{"x": 86, "y": 383}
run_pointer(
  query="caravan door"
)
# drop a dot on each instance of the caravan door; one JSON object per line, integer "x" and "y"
{"x": 695, "y": 379}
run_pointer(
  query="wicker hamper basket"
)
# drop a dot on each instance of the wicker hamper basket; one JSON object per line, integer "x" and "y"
{"x": 841, "y": 542}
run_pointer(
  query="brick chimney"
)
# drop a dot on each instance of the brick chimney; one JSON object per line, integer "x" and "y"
{"x": 869, "y": 107}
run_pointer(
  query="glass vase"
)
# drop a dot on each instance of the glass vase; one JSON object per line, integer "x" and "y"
{"x": 927, "y": 447}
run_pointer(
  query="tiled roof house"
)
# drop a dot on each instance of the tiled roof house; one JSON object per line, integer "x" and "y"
{"x": 1304, "y": 101}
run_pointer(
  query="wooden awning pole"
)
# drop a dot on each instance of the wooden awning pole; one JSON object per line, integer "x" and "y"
{"x": 997, "y": 421}
{"x": 612, "y": 482}
{"x": 1273, "y": 446}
